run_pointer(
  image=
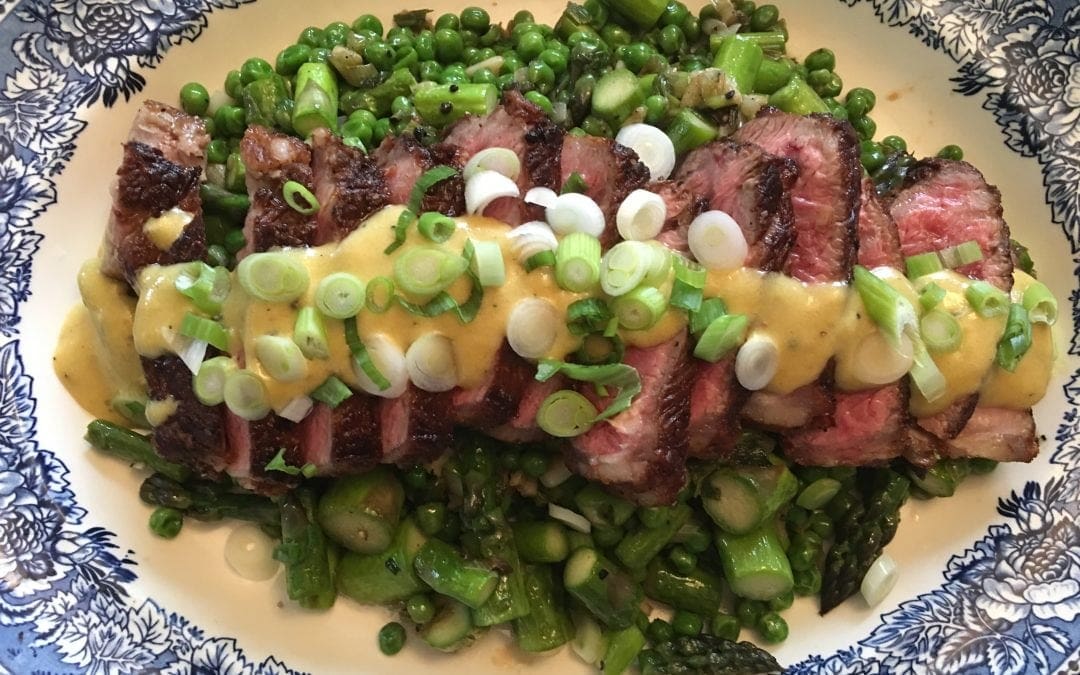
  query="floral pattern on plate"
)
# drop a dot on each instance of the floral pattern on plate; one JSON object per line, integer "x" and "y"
{"x": 1009, "y": 604}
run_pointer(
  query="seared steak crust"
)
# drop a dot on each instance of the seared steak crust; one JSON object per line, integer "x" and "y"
{"x": 416, "y": 426}
{"x": 348, "y": 184}
{"x": 403, "y": 159}
{"x": 194, "y": 434}
{"x": 271, "y": 160}
{"x": 610, "y": 171}
{"x": 495, "y": 401}
{"x": 999, "y": 434}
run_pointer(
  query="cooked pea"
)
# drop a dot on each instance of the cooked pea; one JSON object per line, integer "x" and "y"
{"x": 747, "y": 7}
{"x": 380, "y": 130}
{"x": 511, "y": 62}
{"x": 534, "y": 463}
{"x": 522, "y": 16}
{"x": 821, "y": 59}
{"x": 430, "y": 70}
{"x": 194, "y": 98}
{"x": 234, "y": 240}
{"x": 726, "y": 626}
{"x": 954, "y": 152}
{"x": 319, "y": 55}
{"x": 401, "y": 106}
{"x": 674, "y": 14}
{"x": 448, "y": 21}
{"x": 391, "y": 638}
{"x": 230, "y": 120}
{"x": 471, "y": 55}
{"x": 636, "y": 55}
{"x": 217, "y": 151}
{"x": 606, "y": 536}
{"x": 655, "y": 108}
{"x": 312, "y": 36}
{"x": 234, "y": 85}
{"x": 749, "y": 612}
{"x": 859, "y": 101}
{"x": 420, "y": 608}
{"x": 671, "y": 40}
{"x": 691, "y": 28}
{"x": 211, "y": 128}
{"x": 431, "y": 517}
{"x": 475, "y": 19}
{"x": 424, "y": 44}
{"x": 831, "y": 87}
{"x": 683, "y": 560}
{"x": 782, "y": 602}
{"x": 530, "y": 44}
{"x": 541, "y": 101}
{"x": 894, "y": 143}
{"x": 773, "y": 627}
{"x": 865, "y": 127}
{"x": 448, "y": 45}
{"x": 615, "y": 35}
{"x": 255, "y": 69}
{"x": 555, "y": 59}
{"x": 541, "y": 76}
{"x": 290, "y": 59}
{"x": 217, "y": 256}
{"x": 355, "y": 127}
{"x": 491, "y": 36}
{"x": 837, "y": 109}
{"x": 764, "y": 18}
{"x": 820, "y": 523}
{"x": 484, "y": 76}
{"x": 379, "y": 54}
{"x": 454, "y": 74}
{"x": 166, "y": 522}
{"x": 368, "y": 22}
{"x": 692, "y": 64}
{"x": 505, "y": 81}
{"x": 660, "y": 631}
{"x": 594, "y": 126}
{"x": 598, "y": 12}
{"x": 686, "y": 623}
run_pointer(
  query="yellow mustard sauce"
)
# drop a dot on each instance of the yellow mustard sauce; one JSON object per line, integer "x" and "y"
{"x": 813, "y": 325}
{"x": 164, "y": 230}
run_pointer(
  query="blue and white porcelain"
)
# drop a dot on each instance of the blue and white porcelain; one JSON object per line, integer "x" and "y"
{"x": 990, "y": 579}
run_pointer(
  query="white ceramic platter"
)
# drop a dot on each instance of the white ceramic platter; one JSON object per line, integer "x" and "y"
{"x": 990, "y": 579}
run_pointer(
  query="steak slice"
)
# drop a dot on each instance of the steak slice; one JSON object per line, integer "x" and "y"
{"x": 520, "y": 126}
{"x": 825, "y": 206}
{"x": 641, "y": 452}
{"x": 495, "y": 402}
{"x": 753, "y": 187}
{"x": 348, "y": 184}
{"x": 403, "y": 159}
{"x": 194, "y": 435}
{"x": 162, "y": 163}
{"x": 682, "y": 207}
{"x": 997, "y": 433}
{"x": 871, "y": 426}
{"x": 945, "y": 203}
{"x": 271, "y": 159}
{"x": 415, "y": 427}
{"x": 345, "y": 439}
{"x": 521, "y": 427}
{"x": 610, "y": 171}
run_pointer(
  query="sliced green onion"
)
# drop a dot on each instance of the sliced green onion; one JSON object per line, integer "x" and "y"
{"x": 531, "y": 327}
{"x": 1040, "y": 303}
{"x": 200, "y": 328}
{"x": 659, "y": 264}
{"x": 425, "y": 182}
{"x": 756, "y": 362}
{"x": 621, "y": 376}
{"x": 485, "y": 187}
{"x": 273, "y": 276}
{"x": 575, "y": 182}
{"x": 986, "y": 299}
{"x": 431, "y": 364}
{"x": 588, "y": 315}
{"x": 624, "y": 267}
{"x": 426, "y": 270}
{"x": 710, "y": 310}
{"x": 940, "y": 331}
{"x": 723, "y": 334}
{"x": 641, "y": 215}
{"x": 689, "y": 280}
{"x": 487, "y": 262}
{"x": 340, "y": 295}
{"x": 640, "y": 308}
{"x": 245, "y": 395}
{"x": 877, "y": 362}
{"x": 278, "y": 463}
{"x": 961, "y": 254}
{"x": 541, "y": 259}
{"x": 598, "y": 350}
{"x": 819, "y": 493}
{"x": 574, "y": 212}
{"x": 886, "y": 307}
{"x": 879, "y": 580}
{"x": 501, "y": 160}
{"x": 309, "y": 334}
{"x": 281, "y": 358}
{"x": 1016, "y": 340}
{"x": 292, "y": 190}
{"x": 209, "y": 382}
{"x": 566, "y": 414}
{"x": 379, "y": 295}
{"x": 206, "y": 286}
{"x": 361, "y": 357}
{"x": 717, "y": 241}
{"x": 925, "y": 374}
{"x": 923, "y": 264}
{"x": 531, "y": 238}
{"x": 296, "y": 409}
{"x": 931, "y": 296}
{"x": 652, "y": 146}
{"x": 577, "y": 262}
{"x": 436, "y": 227}
{"x": 332, "y": 392}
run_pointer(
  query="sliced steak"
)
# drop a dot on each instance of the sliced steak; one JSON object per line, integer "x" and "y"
{"x": 348, "y": 184}
{"x": 945, "y": 203}
{"x": 415, "y": 427}
{"x": 520, "y": 126}
{"x": 871, "y": 426}
{"x": 682, "y": 207}
{"x": 753, "y": 187}
{"x": 641, "y": 452}
{"x": 716, "y": 401}
{"x": 825, "y": 206}
{"x": 404, "y": 159}
{"x": 163, "y": 161}
{"x": 610, "y": 171}
{"x": 495, "y": 402}
{"x": 997, "y": 433}
{"x": 521, "y": 428}
{"x": 345, "y": 439}
{"x": 272, "y": 159}
{"x": 194, "y": 435}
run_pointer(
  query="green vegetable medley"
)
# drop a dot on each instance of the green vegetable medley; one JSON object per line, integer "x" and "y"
{"x": 505, "y": 535}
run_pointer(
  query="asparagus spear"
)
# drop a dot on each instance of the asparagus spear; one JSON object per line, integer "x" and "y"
{"x": 305, "y": 552}
{"x": 362, "y": 512}
{"x": 607, "y": 591}
{"x": 384, "y": 577}
{"x": 547, "y": 625}
{"x": 446, "y": 570}
{"x": 211, "y": 501}
{"x": 132, "y": 447}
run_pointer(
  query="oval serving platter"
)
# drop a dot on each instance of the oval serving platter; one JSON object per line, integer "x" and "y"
{"x": 990, "y": 579}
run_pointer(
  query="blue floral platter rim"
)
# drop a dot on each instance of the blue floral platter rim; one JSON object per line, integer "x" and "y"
{"x": 1009, "y": 603}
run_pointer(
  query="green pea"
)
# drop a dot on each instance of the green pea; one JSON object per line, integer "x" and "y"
{"x": 837, "y": 109}
{"x": 234, "y": 85}
{"x": 217, "y": 256}
{"x": 290, "y": 59}
{"x": 807, "y": 582}
{"x": 726, "y": 626}
{"x": 217, "y": 151}
{"x": 475, "y": 19}
{"x": 671, "y": 40}
{"x": 764, "y": 18}
{"x": 865, "y": 127}
{"x": 954, "y": 152}
{"x": 319, "y": 55}
{"x": 454, "y": 74}
{"x": 312, "y": 36}
{"x": 818, "y": 78}
{"x": 803, "y": 553}
{"x": 660, "y": 631}
{"x": 691, "y": 28}
{"x": 540, "y": 101}
{"x": 520, "y": 29}
{"x": 683, "y": 560}
{"x": 577, "y": 37}
{"x": 674, "y": 14}
{"x": 636, "y": 55}
{"x": 424, "y": 44}
{"x": 530, "y": 45}
{"x": 510, "y": 457}
{"x": 522, "y": 16}
{"x": 194, "y": 98}
{"x": 615, "y": 35}
{"x": 686, "y": 623}
{"x": 166, "y": 522}
{"x": 401, "y": 106}
{"x": 859, "y": 101}
{"x": 747, "y": 7}
{"x": 699, "y": 541}
{"x": 821, "y": 59}
{"x": 773, "y": 628}
{"x": 379, "y": 54}
{"x": 832, "y": 87}
{"x": 368, "y": 22}
{"x": 391, "y": 638}
{"x": 491, "y": 36}
{"x": 234, "y": 240}
{"x": 534, "y": 463}
{"x": 892, "y": 144}
{"x": 505, "y": 81}
{"x": 366, "y": 117}
{"x": 471, "y": 55}
{"x": 749, "y": 611}
{"x": 357, "y": 129}
{"x": 431, "y": 517}
{"x": 541, "y": 76}
{"x": 401, "y": 42}
{"x": 484, "y": 76}
{"x": 255, "y": 69}
{"x": 607, "y": 536}
{"x": 230, "y": 120}
{"x": 511, "y": 62}
{"x": 598, "y": 13}
{"x": 448, "y": 21}
{"x": 211, "y": 128}
{"x": 416, "y": 478}
{"x": 235, "y": 172}
{"x": 430, "y": 70}
{"x": 797, "y": 517}
{"x": 594, "y": 126}
{"x": 782, "y": 602}
{"x": 448, "y": 45}
{"x": 420, "y": 608}
{"x": 692, "y": 64}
